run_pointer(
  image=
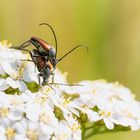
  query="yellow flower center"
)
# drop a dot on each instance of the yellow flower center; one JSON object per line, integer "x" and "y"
{"x": 32, "y": 135}
{"x": 10, "y": 133}
{"x": 75, "y": 127}
{"x": 19, "y": 74}
{"x": 111, "y": 98}
{"x": 109, "y": 114}
{"x": 41, "y": 100}
{"x": 128, "y": 114}
{"x": 94, "y": 91}
{"x": 4, "y": 112}
{"x": 16, "y": 102}
{"x": 45, "y": 90}
{"x": 85, "y": 107}
{"x": 66, "y": 101}
{"x": 103, "y": 113}
{"x": 117, "y": 84}
{"x": 44, "y": 118}
{"x": 5, "y": 43}
{"x": 63, "y": 137}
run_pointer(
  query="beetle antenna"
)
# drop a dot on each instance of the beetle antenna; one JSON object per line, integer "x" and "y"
{"x": 72, "y": 51}
{"x": 53, "y": 35}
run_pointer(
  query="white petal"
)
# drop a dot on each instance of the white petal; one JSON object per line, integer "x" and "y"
{"x": 77, "y": 135}
{"x": 15, "y": 114}
{"x": 108, "y": 123}
{"x": 3, "y": 84}
{"x": 46, "y": 129}
{"x": 22, "y": 86}
{"x": 9, "y": 67}
{"x": 93, "y": 116}
{"x": 21, "y": 126}
{"x": 44, "y": 137}
{"x": 1, "y": 70}
{"x": 2, "y": 130}
{"x": 32, "y": 111}
{"x": 30, "y": 73}
{"x": 20, "y": 137}
{"x": 135, "y": 127}
{"x": 11, "y": 82}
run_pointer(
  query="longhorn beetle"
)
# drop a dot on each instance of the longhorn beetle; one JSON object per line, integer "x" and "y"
{"x": 44, "y": 56}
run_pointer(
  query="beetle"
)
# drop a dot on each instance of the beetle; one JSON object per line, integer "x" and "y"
{"x": 44, "y": 56}
{"x": 43, "y": 65}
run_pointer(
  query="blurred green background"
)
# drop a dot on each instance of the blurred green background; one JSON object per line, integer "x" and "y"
{"x": 111, "y": 29}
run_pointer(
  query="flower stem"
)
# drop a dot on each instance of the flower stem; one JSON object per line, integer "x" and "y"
{"x": 96, "y": 129}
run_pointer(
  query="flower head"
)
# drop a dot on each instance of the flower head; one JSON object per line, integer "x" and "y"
{"x": 53, "y": 111}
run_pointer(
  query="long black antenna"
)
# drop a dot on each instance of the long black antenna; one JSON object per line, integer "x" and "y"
{"x": 53, "y": 35}
{"x": 72, "y": 51}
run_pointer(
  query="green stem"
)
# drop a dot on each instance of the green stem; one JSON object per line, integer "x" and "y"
{"x": 102, "y": 129}
{"x": 83, "y": 131}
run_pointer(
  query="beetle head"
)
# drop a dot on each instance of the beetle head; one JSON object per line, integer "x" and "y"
{"x": 52, "y": 57}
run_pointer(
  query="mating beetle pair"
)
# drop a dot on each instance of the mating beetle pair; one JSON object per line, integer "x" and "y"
{"x": 44, "y": 56}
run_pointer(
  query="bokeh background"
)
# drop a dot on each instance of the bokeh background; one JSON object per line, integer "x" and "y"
{"x": 110, "y": 28}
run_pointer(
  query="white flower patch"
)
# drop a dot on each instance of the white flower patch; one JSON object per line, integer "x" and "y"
{"x": 55, "y": 111}
{"x": 19, "y": 71}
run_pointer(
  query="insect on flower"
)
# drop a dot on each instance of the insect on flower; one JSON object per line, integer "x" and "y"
{"x": 44, "y": 56}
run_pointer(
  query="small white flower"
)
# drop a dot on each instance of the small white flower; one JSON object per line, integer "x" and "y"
{"x": 59, "y": 77}
{"x": 67, "y": 106}
{"x": 106, "y": 115}
{"x": 11, "y": 55}
{"x": 11, "y": 107}
{"x": 86, "y": 108}
{"x": 14, "y": 70}
{"x": 74, "y": 127}
{"x": 32, "y": 130}
{"x": 7, "y": 130}
{"x": 62, "y": 132}
{"x": 16, "y": 84}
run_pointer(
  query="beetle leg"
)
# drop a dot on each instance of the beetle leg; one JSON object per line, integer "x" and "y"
{"x": 24, "y": 50}
{"x": 52, "y": 77}
{"x": 39, "y": 79}
{"x": 50, "y": 87}
{"x": 39, "y": 75}
{"x": 63, "y": 84}
{"x": 24, "y": 44}
{"x": 28, "y": 60}
{"x": 29, "y": 53}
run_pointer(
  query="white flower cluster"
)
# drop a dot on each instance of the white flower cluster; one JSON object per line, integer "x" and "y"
{"x": 45, "y": 114}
